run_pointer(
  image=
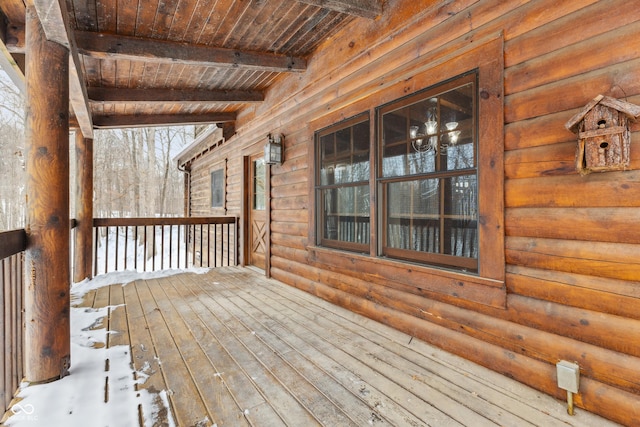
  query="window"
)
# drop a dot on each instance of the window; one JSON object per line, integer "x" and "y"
{"x": 217, "y": 188}
{"x": 435, "y": 182}
{"x": 428, "y": 176}
{"x": 258, "y": 199}
{"x": 342, "y": 185}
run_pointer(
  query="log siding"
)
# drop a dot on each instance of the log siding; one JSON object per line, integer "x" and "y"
{"x": 571, "y": 250}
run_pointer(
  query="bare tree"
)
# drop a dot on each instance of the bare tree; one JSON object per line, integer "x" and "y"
{"x": 134, "y": 172}
{"x": 12, "y": 175}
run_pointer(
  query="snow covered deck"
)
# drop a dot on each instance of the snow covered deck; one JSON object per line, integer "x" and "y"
{"x": 232, "y": 348}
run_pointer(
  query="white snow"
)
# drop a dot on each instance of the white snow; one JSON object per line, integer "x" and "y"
{"x": 80, "y": 399}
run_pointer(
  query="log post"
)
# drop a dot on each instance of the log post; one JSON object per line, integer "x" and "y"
{"x": 47, "y": 278}
{"x": 84, "y": 209}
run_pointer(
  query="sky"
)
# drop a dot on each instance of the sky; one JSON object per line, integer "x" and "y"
{"x": 78, "y": 400}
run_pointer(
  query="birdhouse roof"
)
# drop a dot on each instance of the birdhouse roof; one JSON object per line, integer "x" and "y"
{"x": 632, "y": 111}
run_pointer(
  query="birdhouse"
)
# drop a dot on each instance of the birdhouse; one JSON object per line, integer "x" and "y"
{"x": 603, "y": 132}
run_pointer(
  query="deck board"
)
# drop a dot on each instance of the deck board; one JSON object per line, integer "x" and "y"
{"x": 233, "y": 348}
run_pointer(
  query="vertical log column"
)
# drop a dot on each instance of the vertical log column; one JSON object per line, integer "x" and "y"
{"x": 47, "y": 279}
{"x": 84, "y": 208}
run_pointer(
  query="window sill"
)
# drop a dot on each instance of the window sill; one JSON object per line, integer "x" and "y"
{"x": 414, "y": 278}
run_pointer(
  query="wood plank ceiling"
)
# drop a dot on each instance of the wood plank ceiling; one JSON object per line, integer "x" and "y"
{"x": 158, "y": 62}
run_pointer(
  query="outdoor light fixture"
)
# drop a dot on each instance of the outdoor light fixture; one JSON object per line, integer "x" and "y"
{"x": 273, "y": 149}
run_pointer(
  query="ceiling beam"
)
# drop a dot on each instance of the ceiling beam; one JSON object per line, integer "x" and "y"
{"x": 364, "y": 8}
{"x": 108, "y": 122}
{"x": 54, "y": 18}
{"x": 105, "y": 46}
{"x": 175, "y": 96}
{"x": 7, "y": 61}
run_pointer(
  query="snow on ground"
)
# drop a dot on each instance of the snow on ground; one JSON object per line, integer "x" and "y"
{"x": 79, "y": 399}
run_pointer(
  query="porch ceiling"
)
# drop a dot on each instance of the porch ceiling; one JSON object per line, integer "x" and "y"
{"x": 155, "y": 62}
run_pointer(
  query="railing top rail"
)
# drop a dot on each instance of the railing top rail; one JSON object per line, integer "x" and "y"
{"x": 124, "y": 222}
{"x": 12, "y": 242}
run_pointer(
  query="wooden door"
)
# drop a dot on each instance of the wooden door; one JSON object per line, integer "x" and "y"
{"x": 257, "y": 225}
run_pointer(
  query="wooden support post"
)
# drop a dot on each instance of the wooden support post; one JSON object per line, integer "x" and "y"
{"x": 84, "y": 209}
{"x": 47, "y": 279}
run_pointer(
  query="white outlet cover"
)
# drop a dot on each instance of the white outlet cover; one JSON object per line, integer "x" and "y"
{"x": 568, "y": 376}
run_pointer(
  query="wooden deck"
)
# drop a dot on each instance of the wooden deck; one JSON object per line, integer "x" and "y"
{"x": 234, "y": 348}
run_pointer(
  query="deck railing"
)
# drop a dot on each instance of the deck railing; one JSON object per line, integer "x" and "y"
{"x": 150, "y": 244}
{"x": 12, "y": 247}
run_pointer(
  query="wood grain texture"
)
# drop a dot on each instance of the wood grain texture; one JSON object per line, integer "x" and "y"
{"x": 247, "y": 350}
{"x": 47, "y": 339}
{"x": 82, "y": 267}
{"x": 570, "y": 245}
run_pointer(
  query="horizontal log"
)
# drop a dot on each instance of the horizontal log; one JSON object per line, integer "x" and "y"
{"x": 573, "y": 92}
{"x": 143, "y": 120}
{"x": 293, "y": 229}
{"x": 411, "y": 278}
{"x": 539, "y": 131}
{"x": 295, "y": 164}
{"x": 176, "y": 96}
{"x": 617, "y": 297}
{"x": 609, "y": 401}
{"x": 289, "y": 216}
{"x": 592, "y": 54}
{"x": 587, "y": 22}
{"x": 601, "y": 224}
{"x": 609, "y": 260}
{"x": 546, "y": 160}
{"x": 103, "y": 45}
{"x": 292, "y": 255}
{"x": 12, "y": 243}
{"x": 295, "y": 189}
{"x": 279, "y": 179}
{"x": 132, "y": 222}
{"x": 284, "y": 203}
{"x": 365, "y": 8}
{"x": 613, "y": 189}
{"x": 599, "y": 329}
{"x": 288, "y": 241}
{"x": 555, "y": 159}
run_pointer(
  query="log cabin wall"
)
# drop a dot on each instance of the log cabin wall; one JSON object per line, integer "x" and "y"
{"x": 571, "y": 280}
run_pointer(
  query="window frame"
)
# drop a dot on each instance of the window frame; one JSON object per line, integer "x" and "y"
{"x": 487, "y": 287}
{"x": 434, "y": 259}
{"x": 319, "y": 187}
{"x": 221, "y": 168}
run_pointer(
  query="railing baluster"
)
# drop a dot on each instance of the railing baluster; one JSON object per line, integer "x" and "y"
{"x": 186, "y": 246}
{"x": 193, "y": 250}
{"x": 170, "y": 244}
{"x": 106, "y": 251}
{"x": 135, "y": 248}
{"x": 179, "y": 244}
{"x": 201, "y": 238}
{"x": 209, "y": 246}
{"x": 117, "y": 246}
{"x": 161, "y": 247}
{"x": 95, "y": 251}
{"x": 126, "y": 245}
{"x": 5, "y": 357}
{"x": 153, "y": 248}
{"x": 14, "y": 324}
{"x": 144, "y": 248}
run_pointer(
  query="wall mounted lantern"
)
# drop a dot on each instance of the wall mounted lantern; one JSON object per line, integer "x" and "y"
{"x": 273, "y": 149}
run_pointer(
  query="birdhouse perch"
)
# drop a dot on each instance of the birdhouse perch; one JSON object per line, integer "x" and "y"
{"x": 603, "y": 132}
